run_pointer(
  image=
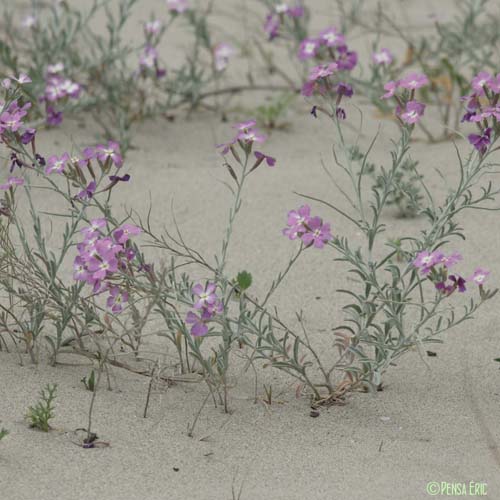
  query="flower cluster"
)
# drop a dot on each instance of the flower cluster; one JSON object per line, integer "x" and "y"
{"x": 58, "y": 89}
{"x": 11, "y": 120}
{"x": 482, "y": 109}
{"x": 207, "y": 306}
{"x": 329, "y": 46}
{"x": 312, "y": 231}
{"x": 435, "y": 265}
{"x": 101, "y": 259}
{"x": 278, "y": 17}
{"x": 246, "y": 136}
{"x": 148, "y": 60}
{"x": 408, "y": 110}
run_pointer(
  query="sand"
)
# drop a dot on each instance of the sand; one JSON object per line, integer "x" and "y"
{"x": 436, "y": 420}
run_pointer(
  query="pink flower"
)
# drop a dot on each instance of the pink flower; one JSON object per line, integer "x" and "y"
{"x": 93, "y": 229}
{"x": 55, "y": 164}
{"x": 479, "y": 276}
{"x": 11, "y": 183}
{"x": 331, "y": 38}
{"x": 116, "y": 299}
{"x": 199, "y": 323}
{"x": 308, "y": 48}
{"x": 100, "y": 268}
{"x": 111, "y": 151}
{"x": 299, "y": 218}
{"x": 80, "y": 269}
{"x": 451, "y": 260}
{"x": 384, "y": 56}
{"x": 152, "y": 27}
{"x": 413, "y": 112}
{"x": 123, "y": 233}
{"x": 390, "y": 88}
{"x": 414, "y": 81}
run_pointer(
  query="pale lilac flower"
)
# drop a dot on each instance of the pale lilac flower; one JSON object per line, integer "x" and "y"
{"x": 21, "y": 79}
{"x": 297, "y": 11}
{"x": 281, "y": 8}
{"x": 250, "y": 136}
{"x": 308, "y": 48}
{"x": 413, "y": 112}
{"x": 494, "y": 84}
{"x": 414, "y": 81}
{"x": 11, "y": 121}
{"x": 271, "y": 162}
{"x": 149, "y": 57}
{"x": 93, "y": 229}
{"x": 225, "y": 147}
{"x": 124, "y": 232}
{"x": 322, "y": 71}
{"x": 116, "y": 299}
{"x": 56, "y": 164}
{"x": 383, "y": 56}
{"x": 111, "y": 151}
{"x": 425, "y": 260}
{"x": 222, "y": 53}
{"x": 318, "y": 233}
{"x": 331, "y": 38}
{"x": 102, "y": 266}
{"x": 390, "y": 88}
{"x": 80, "y": 272}
{"x": 206, "y": 296}
{"x": 451, "y": 260}
{"x": 299, "y": 218}
{"x": 53, "y": 69}
{"x": 178, "y": 6}
{"x": 479, "y": 276}
{"x": 11, "y": 182}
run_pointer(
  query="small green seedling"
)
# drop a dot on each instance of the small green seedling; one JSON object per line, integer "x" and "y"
{"x": 40, "y": 414}
{"x": 3, "y": 433}
{"x": 89, "y": 382}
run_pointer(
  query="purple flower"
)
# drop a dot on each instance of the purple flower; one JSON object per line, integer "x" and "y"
{"x": 93, "y": 229}
{"x": 481, "y": 142}
{"x": 199, "y": 323}
{"x": 272, "y": 26}
{"x": 54, "y": 117}
{"x": 28, "y": 135}
{"x": 390, "y": 88}
{"x": 299, "y": 218}
{"x": 413, "y": 112}
{"x": 124, "y": 232}
{"x": 152, "y": 27}
{"x": 56, "y": 164}
{"x": 269, "y": 159}
{"x": 80, "y": 272}
{"x": 88, "y": 192}
{"x": 317, "y": 233}
{"x": 308, "y": 48}
{"x": 100, "y": 268}
{"x": 482, "y": 79}
{"x": 116, "y": 178}
{"x": 225, "y": 147}
{"x": 479, "y": 276}
{"x": 344, "y": 89}
{"x": 11, "y": 183}
{"x": 116, "y": 299}
{"x": 111, "y": 151}
{"x": 331, "y": 38}
{"x": 340, "y": 113}
{"x": 347, "y": 59}
{"x": 448, "y": 289}
{"x": 12, "y": 121}
{"x": 297, "y": 11}
{"x": 149, "y": 57}
{"x": 425, "y": 260}
{"x": 384, "y": 56}
{"x": 494, "y": 84}
{"x": 414, "y": 81}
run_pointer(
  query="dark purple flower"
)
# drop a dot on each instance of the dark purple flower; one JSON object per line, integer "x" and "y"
{"x": 269, "y": 159}
{"x": 54, "y": 117}
{"x": 481, "y": 142}
{"x": 347, "y": 59}
{"x": 88, "y": 192}
{"x": 28, "y": 135}
{"x": 272, "y": 26}
{"x": 340, "y": 113}
{"x": 344, "y": 89}
{"x": 117, "y": 178}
